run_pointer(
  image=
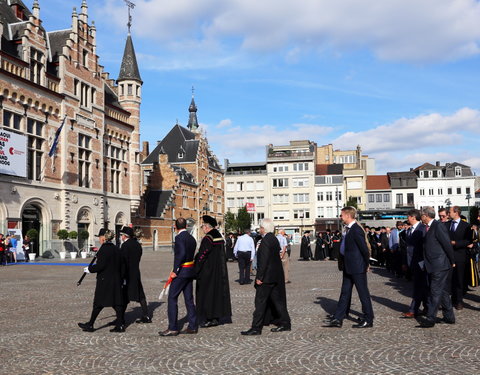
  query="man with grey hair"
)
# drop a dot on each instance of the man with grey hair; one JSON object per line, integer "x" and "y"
{"x": 438, "y": 262}
{"x": 270, "y": 295}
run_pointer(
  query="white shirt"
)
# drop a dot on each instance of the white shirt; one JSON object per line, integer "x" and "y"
{"x": 245, "y": 243}
{"x": 283, "y": 242}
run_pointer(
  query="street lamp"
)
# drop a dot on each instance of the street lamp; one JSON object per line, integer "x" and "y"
{"x": 338, "y": 213}
{"x": 468, "y": 197}
{"x": 172, "y": 205}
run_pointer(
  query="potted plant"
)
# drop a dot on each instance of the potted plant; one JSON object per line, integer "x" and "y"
{"x": 73, "y": 236}
{"x": 33, "y": 235}
{"x": 82, "y": 238}
{"x": 63, "y": 235}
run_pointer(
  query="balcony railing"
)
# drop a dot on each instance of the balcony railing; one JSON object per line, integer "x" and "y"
{"x": 241, "y": 173}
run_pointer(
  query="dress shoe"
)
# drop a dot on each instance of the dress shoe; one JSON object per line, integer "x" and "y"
{"x": 251, "y": 332}
{"x": 281, "y": 329}
{"x": 118, "y": 329}
{"x": 447, "y": 321}
{"x": 145, "y": 319}
{"x": 335, "y": 323}
{"x": 426, "y": 323}
{"x": 87, "y": 327}
{"x": 458, "y": 306}
{"x": 209, "y": 323}
{"x": 363, "y": 324}
{"x": 408, "y": 315}
{"x": 189, "y": 331}
{"x": 168, "y": 333}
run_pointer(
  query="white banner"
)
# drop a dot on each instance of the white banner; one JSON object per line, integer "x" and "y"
{"x": 13, "y": 153}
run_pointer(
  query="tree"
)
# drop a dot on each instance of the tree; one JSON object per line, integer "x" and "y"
{"x": 352, "y": 202}
{"x": 244, "y": 221}
{"x": 230, "y": 222}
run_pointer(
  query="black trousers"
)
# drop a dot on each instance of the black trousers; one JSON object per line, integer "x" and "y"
{"x": 118, "y": 311}
{"x": 269, "y": 294}
{"x": 458, "y": 281}
{"x": 3, "y": 258}
{"x": 439, "y": 295}
{"x": 360, "y": 282}
{"x": 244, "y": 261}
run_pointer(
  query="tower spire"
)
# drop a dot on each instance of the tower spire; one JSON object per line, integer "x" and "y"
{"x": 192, "y": 119}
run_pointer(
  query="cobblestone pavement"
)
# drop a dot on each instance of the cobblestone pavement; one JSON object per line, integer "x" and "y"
{"x": 40, "y": 306}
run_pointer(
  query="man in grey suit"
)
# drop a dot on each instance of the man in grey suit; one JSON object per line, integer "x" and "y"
{"x": 438, "y": 261}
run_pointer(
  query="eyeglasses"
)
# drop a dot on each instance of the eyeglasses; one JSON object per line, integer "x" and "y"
{"x": 442, "y": 215}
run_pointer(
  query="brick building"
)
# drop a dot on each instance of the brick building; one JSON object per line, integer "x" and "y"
{"x": 181, "y": 178}
{"x": 93, "y": 179}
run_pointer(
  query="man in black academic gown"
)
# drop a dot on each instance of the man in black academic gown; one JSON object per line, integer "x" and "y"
{"x": 270, "y": 295}
{"x": 305, "y": 249}
{"x": 108, "y": 291}
{"x": 212, "y": 289}
{"x": 132, "y": 254}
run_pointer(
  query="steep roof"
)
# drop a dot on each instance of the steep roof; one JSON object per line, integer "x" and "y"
{"x": 156, "y": 201}
{"x": 380, "y": 182}
{"x": 57, "y": 40}
{"x": 129, "y": 69}
{"x": 177, "y": 139}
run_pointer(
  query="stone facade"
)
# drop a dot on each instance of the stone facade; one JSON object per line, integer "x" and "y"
{"x": 50, "y": 78}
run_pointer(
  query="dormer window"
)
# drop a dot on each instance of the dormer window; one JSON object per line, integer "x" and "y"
{"x": 19, "y": 12}
{"x": 421, "y": 174}
{"x": 430, "y": 174}
{"x": 458, "y": 171}
{"x": 181, "y": 153}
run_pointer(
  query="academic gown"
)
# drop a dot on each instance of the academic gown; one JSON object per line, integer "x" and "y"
{"x": 212, "y": 289}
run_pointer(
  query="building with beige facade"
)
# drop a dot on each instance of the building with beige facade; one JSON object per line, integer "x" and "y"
{"x": 50, "y": 78}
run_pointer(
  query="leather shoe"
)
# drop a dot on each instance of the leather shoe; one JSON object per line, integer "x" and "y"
{"x": 209, "y": 323}
{"x": 251, "y": 332}
{"x": 458, "y": 306}
{"x": 145, "y": 319}
{"x": 426, "y": 323}
{"x": 334, "y": 323}
{"x": 363, "y": 324}
{"x": 408, "y": 315}
{"x": 168, "y": 333}
{"x": 118, "y": 329}
{"x": 189, "y": 331}
{"x": 447, "y": 321}
{"x": 87, "y": 327}
{"x": 281, "y": 329}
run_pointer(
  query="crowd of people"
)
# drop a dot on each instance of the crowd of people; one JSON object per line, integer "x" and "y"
{"x": 440, "y": 257}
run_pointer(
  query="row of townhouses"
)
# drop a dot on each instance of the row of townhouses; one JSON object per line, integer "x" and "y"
{"x": 303, "y": 186}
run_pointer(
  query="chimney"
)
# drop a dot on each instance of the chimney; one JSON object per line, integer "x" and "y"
{"x": 146, "y": 147}
{"x": 437, "y": 164}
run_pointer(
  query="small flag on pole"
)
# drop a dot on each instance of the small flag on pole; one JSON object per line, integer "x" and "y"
{"x": 166, "y": 288}
{"x": 55, "y": 140}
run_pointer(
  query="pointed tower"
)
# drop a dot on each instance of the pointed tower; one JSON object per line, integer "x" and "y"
{"x": 130, "y": 97}
{"x": 192, "y": 119}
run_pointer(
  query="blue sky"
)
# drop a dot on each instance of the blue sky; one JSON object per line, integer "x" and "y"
{"x": 399, "y": 77}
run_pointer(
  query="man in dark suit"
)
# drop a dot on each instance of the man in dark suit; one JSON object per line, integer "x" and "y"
{"x": 460, "y": 237}
{"x": 355, "y": 257}
{"x": 438, "y": 262}
{"x": 132, "y": 254}
{"x": 414, "y": 261}
{"x": 270, "y": 295}
{"x": 182, "y": 280}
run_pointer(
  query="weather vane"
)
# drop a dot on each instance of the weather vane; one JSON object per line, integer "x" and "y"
{"x": 130, "y": 6}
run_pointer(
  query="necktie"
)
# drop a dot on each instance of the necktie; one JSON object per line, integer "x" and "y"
{"x": 453, "y": 226}
{"x": 428, "y": 227}
{"x": 409, "y": 232}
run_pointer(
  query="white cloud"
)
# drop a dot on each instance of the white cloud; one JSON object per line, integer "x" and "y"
{"x": 224, "y": 123}
{"x": 433, "y": 130}
{"x": 248, "y": 143}
{"x": 405, "y": 30}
